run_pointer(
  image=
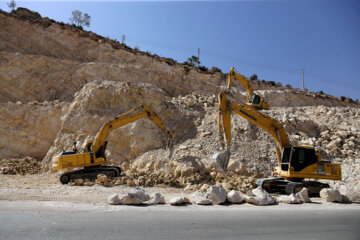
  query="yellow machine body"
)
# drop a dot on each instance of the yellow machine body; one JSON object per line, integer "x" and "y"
{"x": 294, "y": 162}
{"x": 93, "y": 154}
{"x": 76, "y": 160}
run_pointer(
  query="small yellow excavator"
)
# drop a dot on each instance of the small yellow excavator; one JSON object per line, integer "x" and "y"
{"x": 295, "y": 163}
{"x": 252, "y": 99}
{"x": 91, "y": 158}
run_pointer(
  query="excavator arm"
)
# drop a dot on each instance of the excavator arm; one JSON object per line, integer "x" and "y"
{"x": 126, "y": 118}
{"x": 268, "y": 124}
{"x": 252, "y": 99}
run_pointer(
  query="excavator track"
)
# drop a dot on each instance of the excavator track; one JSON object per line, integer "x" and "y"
{"x": 281, "y": 185}
{"x": 90, "y": 173}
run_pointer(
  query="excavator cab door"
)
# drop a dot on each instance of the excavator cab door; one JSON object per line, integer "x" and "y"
{"x": 285, "y": 161}
{"x": 255, "y": 99}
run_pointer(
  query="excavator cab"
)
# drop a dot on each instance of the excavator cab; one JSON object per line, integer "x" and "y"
{"x": 257, "y": 102}
{"x": 300, "y": 162}
{"x": 298, "y": 158}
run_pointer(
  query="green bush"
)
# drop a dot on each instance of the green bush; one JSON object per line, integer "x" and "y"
{"x": 278, "y": 84}
{"x": 270, "y": 83}
{"x": 254, "y": 77}
{"x": 288, "y": 86}
{"x": 189, "y": 64}
{"x": 215, "y": 70}
{"x": 26, "y": 13}
{"x": 76, "y": 26}
{"x": 203, "y": 68}
{"x": 170, "y": 61}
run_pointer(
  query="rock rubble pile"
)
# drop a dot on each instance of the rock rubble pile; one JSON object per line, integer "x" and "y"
{"x": 21, "y": 166}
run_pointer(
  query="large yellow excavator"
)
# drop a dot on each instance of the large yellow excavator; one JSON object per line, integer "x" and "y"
{"x": 252, "y": 99}
{"x": 295, "y": 163}
{"x": 92, "y": 156}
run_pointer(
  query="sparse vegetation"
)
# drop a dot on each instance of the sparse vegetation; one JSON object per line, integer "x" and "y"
{"x": 192, "y": 61}
{"x": 203, "y": 68}
{"x": 270, "y": 83}
{"x": 254, "y": 77}
{"x": 12, "y": 5}
{"x": 288, "y": 86}
{"x": 26, "y": 13}
{"x": 215, "y": 70}
{"x": 79, "y": 19}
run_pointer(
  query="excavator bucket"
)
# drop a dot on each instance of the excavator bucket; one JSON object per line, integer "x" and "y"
{"x": 220, "y": 160}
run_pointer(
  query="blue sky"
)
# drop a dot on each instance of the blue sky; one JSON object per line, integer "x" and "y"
{"x": 273, "y": 39}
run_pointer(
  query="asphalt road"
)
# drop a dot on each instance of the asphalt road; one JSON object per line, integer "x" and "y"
{"x": 44, "y": 220}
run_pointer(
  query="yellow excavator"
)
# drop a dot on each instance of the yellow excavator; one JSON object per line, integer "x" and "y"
{"x": 295, "y": 163}
{"x": 92, "y": 156}
{"x": 252, "y": 99}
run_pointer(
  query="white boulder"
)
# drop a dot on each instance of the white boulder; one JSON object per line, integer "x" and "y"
{"x": 259, "y": 197}
{"x": 157, "y": 198}
{"x": 234, "y": 197}
{"x": 289, "y": 199}
{"x": 217, "y": 195}
{"x": 199, "y": 198}
{"x": 113, "y": 199}
{"x": 330, "y": 195}
{"x": 179, "y": 201}
{"x": 303, "y": 195}
{"x": 134, "y": 197}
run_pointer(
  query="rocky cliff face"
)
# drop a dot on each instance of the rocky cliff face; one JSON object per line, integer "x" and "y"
{"x": 60, "y": 85}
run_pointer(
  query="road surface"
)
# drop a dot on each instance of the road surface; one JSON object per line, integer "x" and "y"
{"x": 58, "y": 220}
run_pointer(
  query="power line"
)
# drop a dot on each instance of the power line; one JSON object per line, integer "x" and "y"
{"x": 248, "y": 62}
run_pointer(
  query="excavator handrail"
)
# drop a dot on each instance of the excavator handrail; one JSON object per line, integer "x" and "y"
{"x": 126, "y": 118}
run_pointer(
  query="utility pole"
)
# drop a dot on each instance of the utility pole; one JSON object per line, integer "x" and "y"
{"x": 123, "y": 39}
{"x": 199, "y": 54}
{"x": 303, "y": 83}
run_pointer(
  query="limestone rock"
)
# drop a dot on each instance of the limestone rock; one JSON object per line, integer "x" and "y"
{"x": 303, "y": 195}
{"x": 330, "y": 195}
{"x": 259, "y": 197}
{"x": 156, "y": 198}
{"x": 289, "y": 199}
{"x": 351, "y": 193}
{"x": 101, "y": 178}
{"x": 22, "y": 166}
{"x": 113, "y": 199}
{"x": 199, "y": 198}
{"x": 234, "y": 197}
{"x": 79, "y": 181}
{"x": 179, "y": 201}
{"x": 217, "y": 195}
{"x": 134, "y": 197}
